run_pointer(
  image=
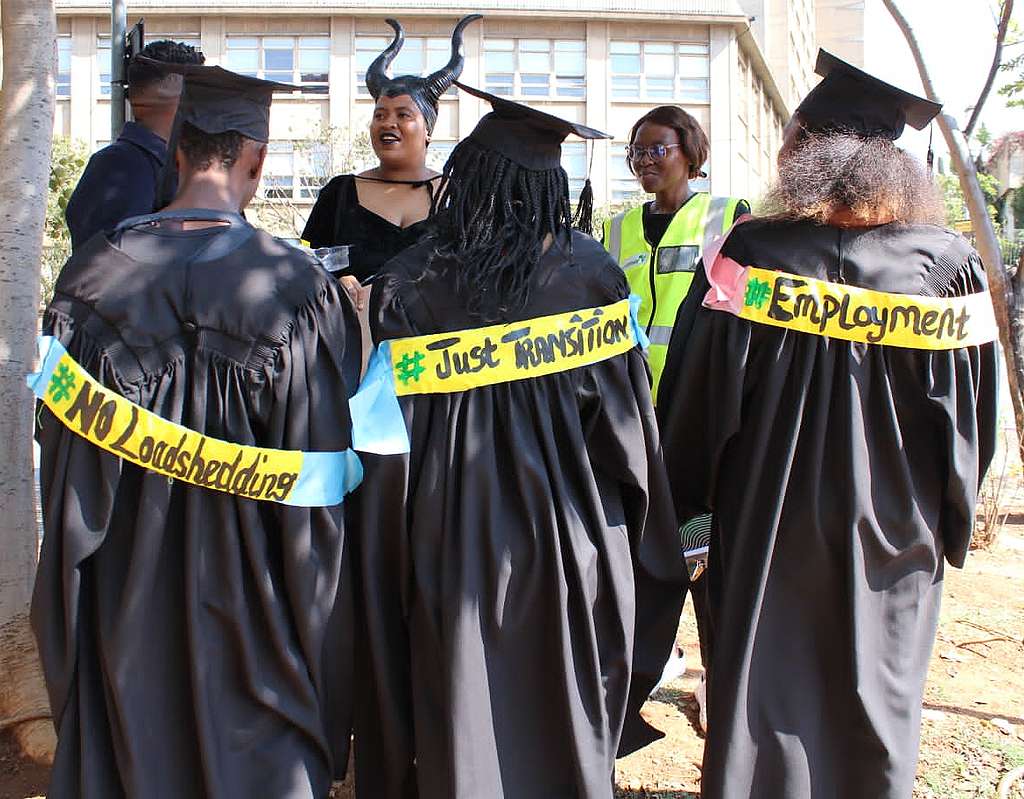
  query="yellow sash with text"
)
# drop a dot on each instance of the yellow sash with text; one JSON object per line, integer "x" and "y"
{"x": 135, "y": 434}
{"x": 466, "y": 359}
{"x": 850, "y": 313}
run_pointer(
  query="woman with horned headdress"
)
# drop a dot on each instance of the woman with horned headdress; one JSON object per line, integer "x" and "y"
{"x": 380, "y": 212}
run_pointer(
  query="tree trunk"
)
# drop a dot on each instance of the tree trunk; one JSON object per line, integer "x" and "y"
{"x": 984, "y": 231}
{"x": 26, "y": 131}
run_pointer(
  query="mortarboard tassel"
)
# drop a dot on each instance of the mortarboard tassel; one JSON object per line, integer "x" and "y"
{"x": 930, "y": 158}
{"x": 583, "y": 219}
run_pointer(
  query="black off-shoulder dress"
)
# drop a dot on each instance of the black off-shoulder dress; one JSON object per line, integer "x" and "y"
{"x": 337, "y": 218}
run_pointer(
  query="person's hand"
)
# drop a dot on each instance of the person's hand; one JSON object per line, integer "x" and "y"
{"x": 356, "y": 292}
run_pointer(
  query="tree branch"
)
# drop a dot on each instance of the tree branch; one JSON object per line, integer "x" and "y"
{"x": 1004, "y": 25}
{"x": 984, "y": 232}
{"x": 915, "y": 49}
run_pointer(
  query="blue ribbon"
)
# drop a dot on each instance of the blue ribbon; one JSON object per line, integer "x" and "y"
{"x": 325, "y": 479}
{"x": 378, "y": 424}
{"x": 638, "y": 331}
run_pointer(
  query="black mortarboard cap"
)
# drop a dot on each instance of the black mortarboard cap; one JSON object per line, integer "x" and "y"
{"x": 850, "y": 99}
{"x": 216, "y": 100}
{"x": 524, "y": 135}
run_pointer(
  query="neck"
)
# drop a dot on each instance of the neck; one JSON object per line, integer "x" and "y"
{"x": 396, "y": 172}
{"x": 159, "y": 124}
{"x": 210, "y": 189}
{"x": 848, "y": 218}
{"x": 671, "y": 198}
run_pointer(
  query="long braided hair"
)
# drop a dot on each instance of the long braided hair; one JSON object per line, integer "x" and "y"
{"x": 493, "y": 217}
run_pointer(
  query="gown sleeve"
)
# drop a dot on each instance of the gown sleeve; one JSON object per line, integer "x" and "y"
{"x": 622, "y": 431}
{"x": 962, "y": 389}
{"x": 308, "y": 410}
{"x": 708, "y": 348}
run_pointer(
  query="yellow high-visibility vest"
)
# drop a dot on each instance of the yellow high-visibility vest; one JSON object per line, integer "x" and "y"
{"x": 661, "y": 276}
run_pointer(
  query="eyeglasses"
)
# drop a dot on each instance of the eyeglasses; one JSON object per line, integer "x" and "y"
{"x": 655, "y": 151}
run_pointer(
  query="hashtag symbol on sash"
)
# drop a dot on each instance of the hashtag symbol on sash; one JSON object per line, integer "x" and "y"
{"x": 409, "y": 367}
{"x": 61, "y": 383}
{"x": 757, "y": 293}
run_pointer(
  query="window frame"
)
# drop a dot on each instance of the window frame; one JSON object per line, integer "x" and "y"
{"x": 681, "y": 50}
{"x": 307, "y": 89}
{"x": 63, "y": 39}
{"x": 304, "y": 184}
{"x": 559, "y": 85}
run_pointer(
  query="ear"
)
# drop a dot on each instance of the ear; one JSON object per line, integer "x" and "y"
{"x": 257, "y": 167}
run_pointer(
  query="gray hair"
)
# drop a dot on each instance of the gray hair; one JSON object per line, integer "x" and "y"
{"x": 871, "y": 178}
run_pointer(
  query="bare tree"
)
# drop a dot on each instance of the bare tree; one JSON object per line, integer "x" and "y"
{"x": 997, "y": 60}
{"x": 26, "y": 130}
{"x": 984, "y": 231}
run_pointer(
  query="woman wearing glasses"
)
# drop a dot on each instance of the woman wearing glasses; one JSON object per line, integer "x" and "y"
{"x": 659, "y": 243}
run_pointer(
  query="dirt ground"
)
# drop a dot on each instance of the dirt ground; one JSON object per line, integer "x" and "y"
{"x": 973, "y": 726}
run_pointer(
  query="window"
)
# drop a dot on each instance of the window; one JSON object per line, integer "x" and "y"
{"x": 301, "y": 60}
{"x": 438, "y": 153}
{"x": 535, "y": 67}
{"x": 279, "y": 171}
{"x": 660, "y": 71}
{"x": 624, "y": 186}
{"x": 103, "y": 64}
{"x": 574, "y": 162}
{"x": 63, "y": 66}
{"x": 419, "y": 55}
{"x": 295, "y": 170}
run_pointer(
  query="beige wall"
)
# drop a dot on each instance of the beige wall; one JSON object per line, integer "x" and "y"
{"x": 840, "y": 28}
{"x": 742, "y": 120}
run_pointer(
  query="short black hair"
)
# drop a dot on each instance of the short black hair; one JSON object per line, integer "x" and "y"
{"x": 142, "y": 75}
{"x": 205, "y": 150}
{"x": 691, "y": 135}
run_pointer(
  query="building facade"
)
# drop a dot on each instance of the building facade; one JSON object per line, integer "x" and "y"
{"x": 600, "y": 62}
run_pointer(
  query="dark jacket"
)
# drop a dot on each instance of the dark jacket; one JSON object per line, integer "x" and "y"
{"x": 120, "y": 181}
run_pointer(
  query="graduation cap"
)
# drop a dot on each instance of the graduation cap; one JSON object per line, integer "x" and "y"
{"x": 216, "y": 100}
{"x": 850, "y": 99}
{"x": 524, "y": 135}
{"x": 533, "y": 140}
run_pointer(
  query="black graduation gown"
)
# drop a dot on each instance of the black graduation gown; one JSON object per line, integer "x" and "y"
{"x": 512, "y": 562}
{"x": 840, "y": 475}
{"x": 196, "y": 644}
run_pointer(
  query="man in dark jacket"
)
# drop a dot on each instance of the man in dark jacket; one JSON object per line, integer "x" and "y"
{"x": 122, "y": 179}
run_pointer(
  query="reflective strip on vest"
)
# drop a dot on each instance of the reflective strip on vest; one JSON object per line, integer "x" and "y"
{"x": 662, "y": 277}
{"x": 660, "y": 334}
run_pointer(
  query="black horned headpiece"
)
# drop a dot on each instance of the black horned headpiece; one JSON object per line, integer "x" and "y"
{"x": 426, "y": 91}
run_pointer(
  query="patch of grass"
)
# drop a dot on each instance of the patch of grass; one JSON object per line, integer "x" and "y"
{"x": 967, "y": 764}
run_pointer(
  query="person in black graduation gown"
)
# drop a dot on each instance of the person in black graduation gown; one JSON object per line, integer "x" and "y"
{"x": 194, "y": 641}
{"x": 842, "y": 470}
{"x": 123, "y": 179}
{"x": 521, "y": 579}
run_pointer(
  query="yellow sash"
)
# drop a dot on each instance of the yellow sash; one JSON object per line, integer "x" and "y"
{"x": 873, "y": 317}
{"x": 128, "y": 430}
{"x": 465, "y": 359}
